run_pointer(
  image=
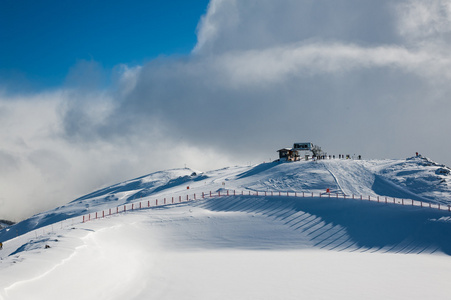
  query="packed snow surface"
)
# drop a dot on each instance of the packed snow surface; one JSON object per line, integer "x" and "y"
{"x": 240, "y": 246}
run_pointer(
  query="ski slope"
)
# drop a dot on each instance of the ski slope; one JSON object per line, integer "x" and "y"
{"x": 243, "y": 247}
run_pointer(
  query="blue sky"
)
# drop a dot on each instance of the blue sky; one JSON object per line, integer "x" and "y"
{"x": 41, "y": 40}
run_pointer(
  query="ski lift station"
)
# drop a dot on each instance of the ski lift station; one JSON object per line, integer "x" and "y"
{"x": 294, "y": 154}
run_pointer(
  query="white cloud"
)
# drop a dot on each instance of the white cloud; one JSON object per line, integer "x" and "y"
{"x": 355, "y": 76}
{"x": 425, "y": 19}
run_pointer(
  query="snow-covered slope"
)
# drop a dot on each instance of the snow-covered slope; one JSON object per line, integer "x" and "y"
{"x": 415, "y": 178}
{"x": 241, "y": 247}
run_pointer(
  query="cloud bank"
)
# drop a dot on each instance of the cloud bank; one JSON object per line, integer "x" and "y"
{"x": 353, "y": 76}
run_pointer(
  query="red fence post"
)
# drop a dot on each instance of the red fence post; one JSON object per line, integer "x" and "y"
{"x": 133, "y": 206}
{"x": 219, "y": 193}
{"x": 210, "y": 194}
{"x": 361, "y": 198}
{"x": 203, "y": 195}
{"x": 125, "y": 208}
{"x": 110, "y": 211}
{"x": 96, "y": 215}
{"x": 103, "y": 214}
{"x": 180, "y": 199}
{"x": 172, "y": 200}
{"x": 83, "y": 219}
{"x": 234, "y": 192}
{"x": 187, "y": 198}
{"x": 402, "y": 201}
{"x": 227, "y": 192}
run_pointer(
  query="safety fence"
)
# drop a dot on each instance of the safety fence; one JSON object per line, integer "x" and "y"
{"x": 192, "y": 197}
{"x": 147, "y": 203}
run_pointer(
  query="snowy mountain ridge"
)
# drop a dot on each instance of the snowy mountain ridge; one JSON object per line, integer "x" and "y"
{"x": 243, "y": 246}
{"x": 416, "y": 178}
